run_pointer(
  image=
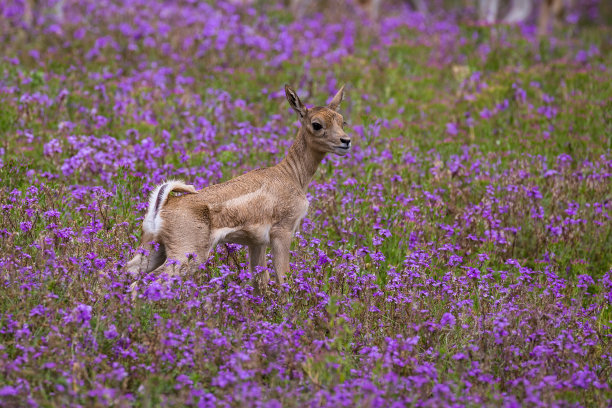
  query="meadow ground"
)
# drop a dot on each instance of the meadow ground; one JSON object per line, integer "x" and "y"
{"x": 460, "y": 255}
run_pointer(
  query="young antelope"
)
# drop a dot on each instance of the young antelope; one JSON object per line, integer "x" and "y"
{"x": 258, "y": 209}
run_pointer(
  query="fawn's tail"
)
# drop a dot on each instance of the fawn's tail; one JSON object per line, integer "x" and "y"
{"x": 157, "y": 199}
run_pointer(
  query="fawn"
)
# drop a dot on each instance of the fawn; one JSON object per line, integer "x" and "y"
{"x": 261, "y": 208}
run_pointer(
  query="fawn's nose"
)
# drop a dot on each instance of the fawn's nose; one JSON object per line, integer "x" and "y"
{"x": 345, "y": 141}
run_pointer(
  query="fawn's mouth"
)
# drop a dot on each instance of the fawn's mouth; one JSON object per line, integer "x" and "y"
{"x": 343, "y": 149}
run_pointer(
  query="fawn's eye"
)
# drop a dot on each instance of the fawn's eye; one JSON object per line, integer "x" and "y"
{"x": 316, "y": 126}
{"x": 344, "y": 124}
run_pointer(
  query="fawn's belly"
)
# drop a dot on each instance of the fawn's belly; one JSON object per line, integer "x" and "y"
{"x": 258, "y": 234}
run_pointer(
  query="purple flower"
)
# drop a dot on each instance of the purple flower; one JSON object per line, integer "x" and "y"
{"x": 52, "y": 147}
{"x": 486, "y": 114}
{"x": 111, "y": 333}
{"x": 460, "y": 356}
{"x": 52, "y": 214}
{"x": 483, "y": 257}
{"x": 154, "y": 291}
{"x": 581, "y": 57}
{"x": 584, "y": 281}
{"x": 447, "y": 319}
{"x": 8, "y": 390}
{"x": 223, "y": 379}
{"x": 81, "y": 314}
{"x": 451, "y": 129}
{"x": 182, "y": 381}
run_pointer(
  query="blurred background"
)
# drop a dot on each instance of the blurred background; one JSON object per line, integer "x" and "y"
{"x": 29, "y": 13}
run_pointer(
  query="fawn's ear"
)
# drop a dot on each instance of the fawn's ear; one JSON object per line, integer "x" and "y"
{"x": 295, "y": 102}
{"x": 333, "y": 105}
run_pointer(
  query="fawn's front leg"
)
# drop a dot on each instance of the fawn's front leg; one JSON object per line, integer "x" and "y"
{"x": 257, "y": 257}
{"x": 281, "y": 243}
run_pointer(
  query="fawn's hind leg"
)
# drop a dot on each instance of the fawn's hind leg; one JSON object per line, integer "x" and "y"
{"x": 142, "y": 263}
{"x": 188, "y": 237}
{"x": 178, "y": 257}
{"x": 171, "y": 265}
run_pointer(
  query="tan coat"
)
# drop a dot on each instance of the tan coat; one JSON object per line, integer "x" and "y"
{"x": 258, "y": 209}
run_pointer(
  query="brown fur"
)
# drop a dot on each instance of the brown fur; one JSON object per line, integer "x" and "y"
{"x": 259, "y": 209}
{"x": 548, "y": 8}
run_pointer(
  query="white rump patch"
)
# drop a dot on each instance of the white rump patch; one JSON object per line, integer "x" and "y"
{"x": 152, "y": 222}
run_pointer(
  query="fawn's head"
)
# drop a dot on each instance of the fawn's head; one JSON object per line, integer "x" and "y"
{"x": 322, "y": 125}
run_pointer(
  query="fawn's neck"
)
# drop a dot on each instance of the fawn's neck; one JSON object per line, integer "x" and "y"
{"x": 301, "y": 161}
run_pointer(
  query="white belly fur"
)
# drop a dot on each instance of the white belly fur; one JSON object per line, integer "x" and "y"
{"x": 254, "y": 234}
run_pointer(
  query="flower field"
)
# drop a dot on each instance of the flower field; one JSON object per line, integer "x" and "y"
{"x": 459, "y": 255}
